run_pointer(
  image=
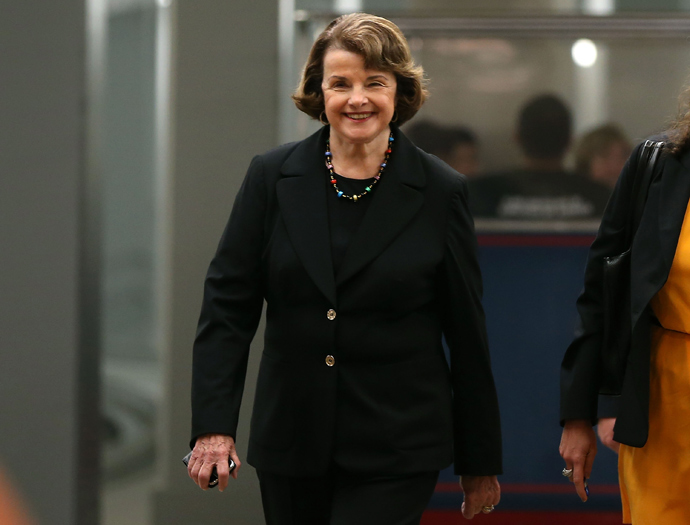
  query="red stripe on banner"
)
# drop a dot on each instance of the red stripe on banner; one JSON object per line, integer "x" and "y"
{"x": 444, "y": 517}
{"x": 535, "y": 240}
{"x": 535, "y": 488}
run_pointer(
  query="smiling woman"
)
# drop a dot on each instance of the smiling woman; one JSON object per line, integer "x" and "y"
{"x": 381, "y": 46}
{"x": 359, "y": 102}
{"x": 363, "y": 248}
{"x": 360, "y": 78}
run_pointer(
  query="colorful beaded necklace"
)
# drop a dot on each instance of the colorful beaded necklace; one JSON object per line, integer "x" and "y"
{"x": 367, "y": 190}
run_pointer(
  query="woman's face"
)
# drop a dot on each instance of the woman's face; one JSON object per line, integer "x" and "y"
{"x": 359, "y": 102}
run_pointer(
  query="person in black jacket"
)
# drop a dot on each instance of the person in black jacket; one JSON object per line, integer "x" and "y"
{"x": 363, "y": 249}
{"x": 650, "y": 416}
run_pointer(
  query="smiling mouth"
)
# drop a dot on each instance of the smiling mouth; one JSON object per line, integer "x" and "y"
{"x": 359, "y": 116}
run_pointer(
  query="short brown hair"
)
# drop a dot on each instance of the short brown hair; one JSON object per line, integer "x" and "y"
{"x": 382, "y": 46}
{"x": 596, "y": 143}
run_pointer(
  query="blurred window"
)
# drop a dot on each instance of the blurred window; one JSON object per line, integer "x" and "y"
{"x": 485, "y": 70}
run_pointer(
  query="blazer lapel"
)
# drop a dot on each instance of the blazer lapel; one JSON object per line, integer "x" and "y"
{"x": 302, "y": 200}
{"x": 394, "y": 204}
{"x": 659, "y": 230}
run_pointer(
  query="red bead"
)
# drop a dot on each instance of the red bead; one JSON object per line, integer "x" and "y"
{"x": 389, "y": 150}
{"x": 333, "y": 181}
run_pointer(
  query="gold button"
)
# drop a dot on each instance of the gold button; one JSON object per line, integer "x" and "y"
{"x": 330, "y": 314}
{"x": 330, "y": 360}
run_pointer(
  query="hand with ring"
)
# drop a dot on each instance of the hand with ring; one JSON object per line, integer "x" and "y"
{"x": 578, "y": 449}
{"x": 482, "y": 494}
{"x": 568, "y": 473}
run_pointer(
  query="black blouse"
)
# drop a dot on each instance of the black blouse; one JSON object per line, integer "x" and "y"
{"x": 345, "y": 215}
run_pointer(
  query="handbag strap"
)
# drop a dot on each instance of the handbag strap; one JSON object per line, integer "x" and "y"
{"x": 649, "y": 153}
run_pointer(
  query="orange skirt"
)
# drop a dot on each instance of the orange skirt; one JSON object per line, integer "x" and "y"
{"x": 655, "y": 479}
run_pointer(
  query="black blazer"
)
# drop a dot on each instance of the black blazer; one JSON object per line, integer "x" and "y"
{"x": 389, "y": 403}
{"x": 653, "y": 250}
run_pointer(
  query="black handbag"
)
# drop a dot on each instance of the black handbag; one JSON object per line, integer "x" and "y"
{"x": 616, "y": 281}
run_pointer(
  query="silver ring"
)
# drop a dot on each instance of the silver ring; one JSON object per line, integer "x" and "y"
{"x": 488, "y": 508}
{"x": 567, "y": 472}
{"x": 213, "y": 482}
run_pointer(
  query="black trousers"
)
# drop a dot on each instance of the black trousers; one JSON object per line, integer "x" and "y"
{"x": 343, "y": 498}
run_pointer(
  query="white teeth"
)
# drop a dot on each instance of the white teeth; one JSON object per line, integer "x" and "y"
{"x": 359, "y": 116}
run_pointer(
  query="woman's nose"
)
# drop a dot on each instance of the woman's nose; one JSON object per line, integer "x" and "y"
{"x": 358, "y": 97}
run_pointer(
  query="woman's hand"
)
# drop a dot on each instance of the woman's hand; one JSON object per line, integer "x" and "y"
{"x": 213, "y": 450}
{"x": 605, "y": 432}
{"x": 480, "y": 492}
{"x": 578, "y": 448}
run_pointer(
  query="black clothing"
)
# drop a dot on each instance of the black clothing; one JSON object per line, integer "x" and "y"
{"x": 353, "y": 369}
{"x": 527, "y": 195}
{"x": 344, "y": 215}
{"x": 652, "y": 255}
{"x": 342, "y": 498}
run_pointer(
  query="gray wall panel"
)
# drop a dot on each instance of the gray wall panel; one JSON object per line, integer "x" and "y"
{"x": 225, "y": 111}
{"x": 42, "y": 132}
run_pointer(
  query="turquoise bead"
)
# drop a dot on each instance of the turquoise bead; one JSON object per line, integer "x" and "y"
{"x": 340, "y": 194}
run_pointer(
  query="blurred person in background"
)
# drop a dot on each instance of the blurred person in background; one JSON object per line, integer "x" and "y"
{"x": 541, "y": 189}
{"x": 463, "y": 156}
{"x": 653, "y": 409}
{"x": 428, "y": 135}
{"x": 457, "y": 146}
{"x": 600, "y": 154}
{"x": 363, "y": 248}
